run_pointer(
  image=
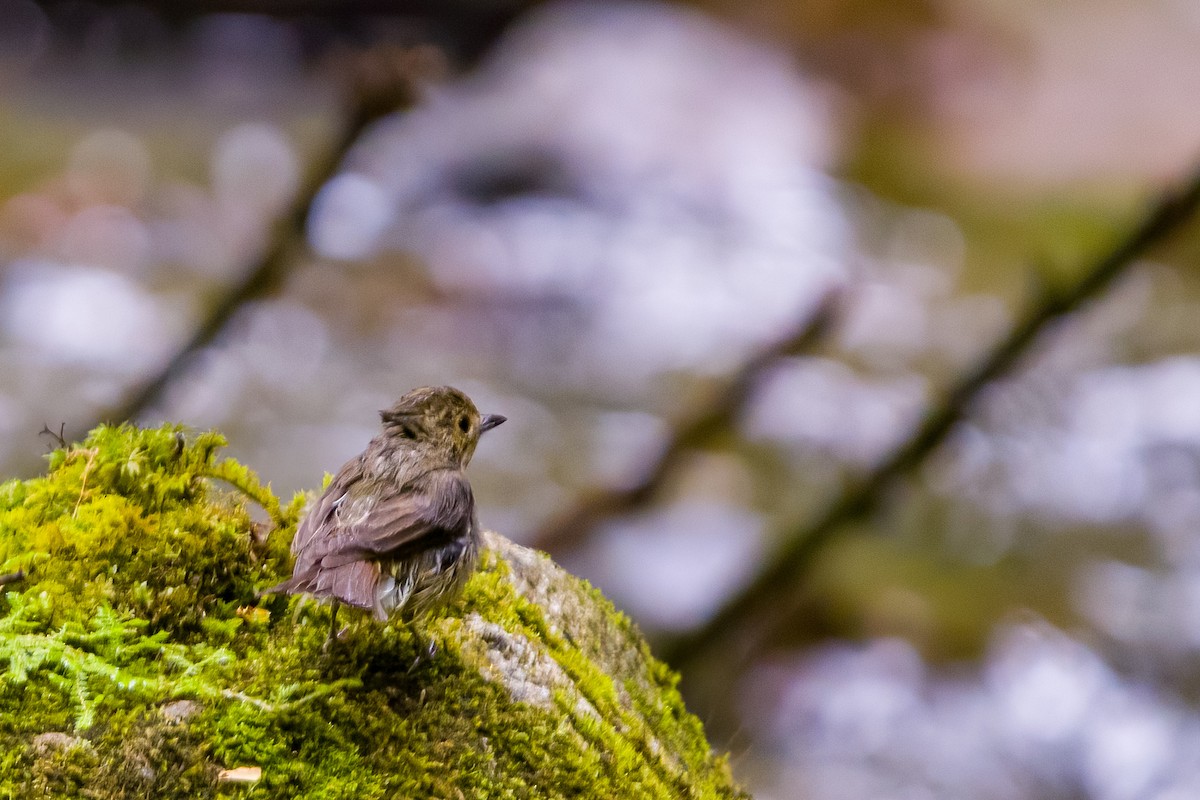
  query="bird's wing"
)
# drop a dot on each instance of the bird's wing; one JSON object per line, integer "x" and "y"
{"x": 317, "y": 521}
{"x": 426, "y": 513}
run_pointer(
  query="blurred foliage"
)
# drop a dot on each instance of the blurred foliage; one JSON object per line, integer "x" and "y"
{"x": 595, "y": 221}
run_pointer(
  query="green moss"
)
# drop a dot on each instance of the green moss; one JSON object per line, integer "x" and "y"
{"x": 138, "y": 658}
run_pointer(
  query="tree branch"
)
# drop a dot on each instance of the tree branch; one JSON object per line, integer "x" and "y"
{"x": 741, "y": 613}
{"x": 572, "y": 528}
{"x": 380, "y": 81}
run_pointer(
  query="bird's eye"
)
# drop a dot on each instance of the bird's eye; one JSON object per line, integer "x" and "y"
{"x": 464, "y": 424}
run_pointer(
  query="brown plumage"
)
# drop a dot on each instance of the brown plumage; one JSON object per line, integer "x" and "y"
{"x": 395, "y": 531}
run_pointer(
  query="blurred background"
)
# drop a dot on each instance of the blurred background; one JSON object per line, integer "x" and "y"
{"x": 799, "y": 312}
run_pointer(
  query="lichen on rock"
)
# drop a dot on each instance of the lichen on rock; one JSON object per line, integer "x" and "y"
{"x": 138, "y": 658}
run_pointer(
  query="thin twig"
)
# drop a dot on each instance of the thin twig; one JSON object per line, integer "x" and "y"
{"x": 779, "y": 576}
{"x": 12, "y": 577}
{"x": 91, "y": 454}
{"x": 59, "y": 437}
{"x": 576, "y": 524}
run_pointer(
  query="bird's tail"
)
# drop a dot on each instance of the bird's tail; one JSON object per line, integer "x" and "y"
{"x": 354, "y": 583}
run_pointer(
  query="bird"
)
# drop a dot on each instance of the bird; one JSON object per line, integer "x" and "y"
{"x": 396, "y": 531}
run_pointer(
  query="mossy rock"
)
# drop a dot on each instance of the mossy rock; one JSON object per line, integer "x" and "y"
{"x": 139, "y": 659}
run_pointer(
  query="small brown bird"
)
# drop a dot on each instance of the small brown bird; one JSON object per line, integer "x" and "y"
{"x": 396, "y": 530}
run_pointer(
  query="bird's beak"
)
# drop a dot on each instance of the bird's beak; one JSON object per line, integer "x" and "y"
{"x": 490, "y": 421}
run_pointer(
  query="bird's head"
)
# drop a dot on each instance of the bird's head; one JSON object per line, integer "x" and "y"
{"x": 440, "y": 418}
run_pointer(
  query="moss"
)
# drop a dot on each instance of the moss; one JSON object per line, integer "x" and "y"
{"x": 139, "y": 660}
